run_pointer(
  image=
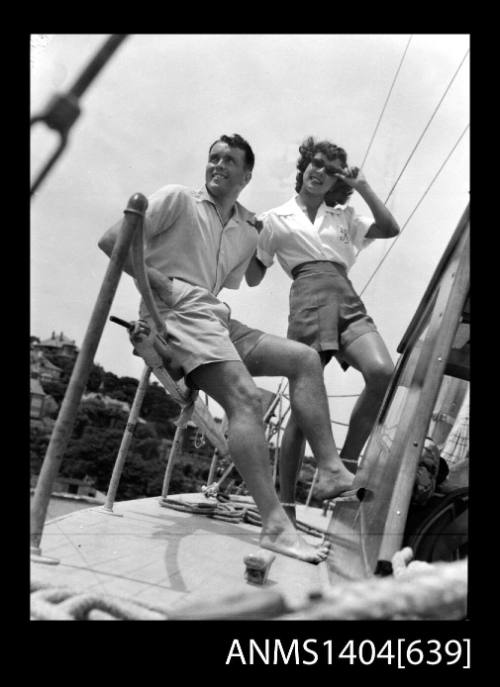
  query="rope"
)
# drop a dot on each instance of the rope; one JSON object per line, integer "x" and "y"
{"x": 66, "y": 603}
{"x": 199, "y": 439}
{"x": 417, "y": 591}
{"x": 427, "y": 126}
{"x": 386, "y": 101}
{"x": 230, "y": 510}
{"x": 435, "y": 591}
{"x": 415, "y": 209}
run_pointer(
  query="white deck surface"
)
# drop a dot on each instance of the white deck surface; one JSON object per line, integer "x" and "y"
{"x": 157, "y": 555}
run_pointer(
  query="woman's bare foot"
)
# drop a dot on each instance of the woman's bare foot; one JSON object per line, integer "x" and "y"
{"x": 290, "y": 511}
{"x": 290, "y": 543}
{"x": 333, "y": 483}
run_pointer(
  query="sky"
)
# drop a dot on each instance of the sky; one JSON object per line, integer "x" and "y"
{"x": 150, "y": 115}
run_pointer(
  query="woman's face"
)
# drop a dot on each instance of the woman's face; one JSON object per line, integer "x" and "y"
{"x": 319, "y": 175}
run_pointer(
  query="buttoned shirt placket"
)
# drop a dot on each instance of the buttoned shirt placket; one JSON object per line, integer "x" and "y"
{"x": 217, "y": 286}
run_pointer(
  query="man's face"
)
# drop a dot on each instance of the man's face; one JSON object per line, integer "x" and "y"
{"x": 225, "y": 174}
{"x": 319, "y": 174}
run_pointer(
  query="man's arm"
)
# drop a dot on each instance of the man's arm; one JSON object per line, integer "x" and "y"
{"x": 107, "y": 242}
{"x": 255, "y": 271}
{"x": 159, "y": 283}
{"x": 385, "y": 226}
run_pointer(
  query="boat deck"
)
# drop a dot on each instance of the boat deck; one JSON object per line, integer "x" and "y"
{"x": 157, "y": 555}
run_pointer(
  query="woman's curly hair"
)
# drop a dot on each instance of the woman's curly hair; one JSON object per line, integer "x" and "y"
{"x": 341, "y": 191}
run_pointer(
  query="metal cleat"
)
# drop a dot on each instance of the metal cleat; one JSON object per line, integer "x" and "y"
{"x": 210, "y": 491}
{"x": 258, "y": 566}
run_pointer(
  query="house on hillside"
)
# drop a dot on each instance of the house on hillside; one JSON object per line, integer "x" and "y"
{"x": 42, "y": 369}
{"x": 58, "y": 343}
{"x": 37, "y": 399}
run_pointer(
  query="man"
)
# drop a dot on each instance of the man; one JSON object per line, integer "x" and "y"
{"x": 196, "y": 243}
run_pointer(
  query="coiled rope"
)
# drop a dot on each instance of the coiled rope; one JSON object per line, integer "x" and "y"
{"x": 426, "y": 591}
{"x": 417, "y": 591}
{"x": 230, "y": 510}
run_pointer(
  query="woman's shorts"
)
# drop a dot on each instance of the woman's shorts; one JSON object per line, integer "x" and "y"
{"x": 325, "y": 311}
{"x": 200, "y": 329}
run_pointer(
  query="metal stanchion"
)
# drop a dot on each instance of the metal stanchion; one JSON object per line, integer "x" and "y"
{"x": 61, "y": 433}
{"x": 213, "y": 467}
{"x": 126, "y": 440}
{"x": 313, "y": 484}
{"x": 174, "y": 450}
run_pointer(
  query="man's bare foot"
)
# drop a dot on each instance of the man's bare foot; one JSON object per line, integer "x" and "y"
{"x": 290, "y": 543}
{"x": 333, "y": 483}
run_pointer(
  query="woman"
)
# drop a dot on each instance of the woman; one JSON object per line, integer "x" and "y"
{"x": 316, "y": 237}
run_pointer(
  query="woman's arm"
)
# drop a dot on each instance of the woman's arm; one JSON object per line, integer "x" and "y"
{"x": 385, "y": 226}
{"x": 256, "y": 269}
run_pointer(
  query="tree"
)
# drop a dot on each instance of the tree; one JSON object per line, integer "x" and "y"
{"x": 160, "y": 409}
{"x": 126, "y": 389}
{"x": 110, "y": 382}
{"x": 95, "y": 378}
{"x": 51, "y": 408}
{"x": 39, "y": 440}
{"x": 64, "y": 363}
{"x": 98, "y": 431}
{"x": 56, "y": 389}
{"x": 93, "y": 453}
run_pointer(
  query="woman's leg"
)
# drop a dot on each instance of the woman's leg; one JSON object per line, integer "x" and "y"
{"x": 274, "y": 356}
{"x": 368, "y": 354}
{"x": 293, "y": 444}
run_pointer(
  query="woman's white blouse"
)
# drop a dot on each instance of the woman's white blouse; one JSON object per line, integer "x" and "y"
{"x": 338, "y": 234}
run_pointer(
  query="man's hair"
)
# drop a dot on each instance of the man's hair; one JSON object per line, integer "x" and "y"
{"x": 237, "y": 141}
{"x": 341, "y": 191}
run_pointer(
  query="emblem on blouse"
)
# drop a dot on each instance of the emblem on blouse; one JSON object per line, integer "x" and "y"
{"x": 344, "y": 235}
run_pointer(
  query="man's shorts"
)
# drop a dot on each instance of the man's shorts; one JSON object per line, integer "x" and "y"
{"x": 325, "y": 311}
{"x": 200, "y": 329}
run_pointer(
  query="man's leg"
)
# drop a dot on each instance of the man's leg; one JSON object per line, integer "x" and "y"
{"x": 230, "y": 385}
{"x": 275, "y": 356}
{"x": 370, "y": 356}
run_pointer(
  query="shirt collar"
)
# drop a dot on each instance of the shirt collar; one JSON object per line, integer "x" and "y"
{"x": 240, "y": 213}
{"x": 203, "y": 194}
{"x": 291, "y": 207}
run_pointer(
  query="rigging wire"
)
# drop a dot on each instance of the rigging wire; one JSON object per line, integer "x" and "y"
{"x": 410, "y": 157}
{"x": 415, "y": 209}
{"x": 406, "y": 164}
{"x": 427, "y": 126}
{"x": 386, "y": 101}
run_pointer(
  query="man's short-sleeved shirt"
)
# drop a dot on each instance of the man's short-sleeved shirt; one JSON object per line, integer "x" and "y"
{"x": 338, "y": 234}
{"x": 185, "y": 238}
